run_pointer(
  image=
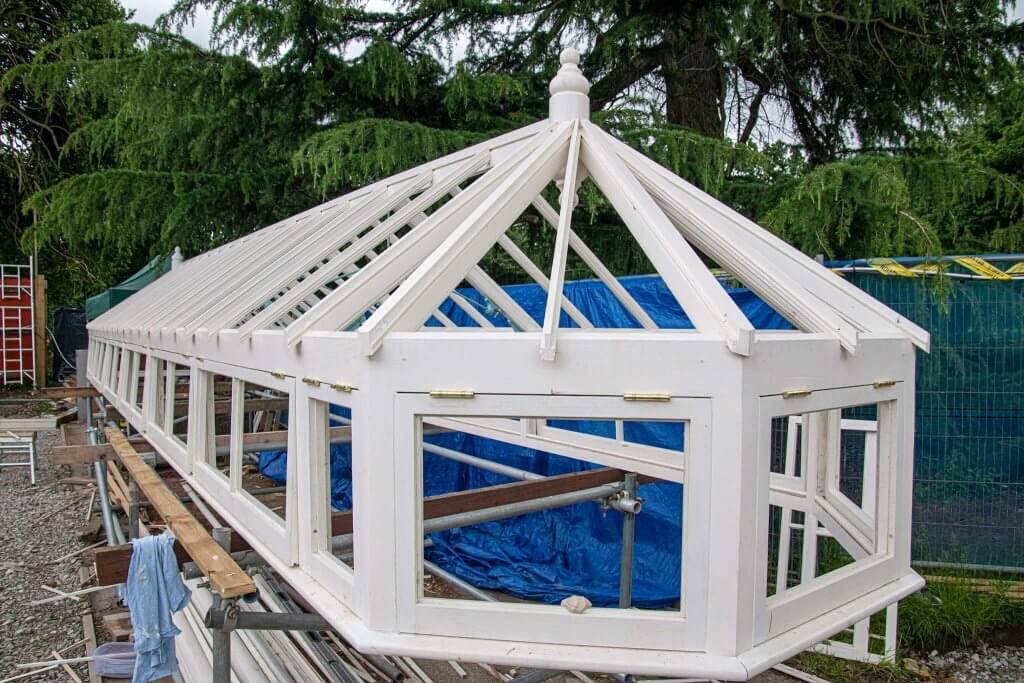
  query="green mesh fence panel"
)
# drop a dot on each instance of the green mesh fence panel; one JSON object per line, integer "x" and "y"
{"x": 969, "y": 443}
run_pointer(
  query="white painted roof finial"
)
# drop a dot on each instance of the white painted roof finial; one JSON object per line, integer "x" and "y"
{"x": 569, "y": 89}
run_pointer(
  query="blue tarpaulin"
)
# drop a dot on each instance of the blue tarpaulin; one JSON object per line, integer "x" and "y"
{"x": 574, "y": 550}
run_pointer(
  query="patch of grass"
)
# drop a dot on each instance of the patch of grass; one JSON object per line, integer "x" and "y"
{"x": 842, "y": 671}
{"x": 958, "y": 618}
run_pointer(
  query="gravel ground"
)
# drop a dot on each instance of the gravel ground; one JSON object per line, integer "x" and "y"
{"x": 988, "y": 664}
{"x": 38, "y": 524}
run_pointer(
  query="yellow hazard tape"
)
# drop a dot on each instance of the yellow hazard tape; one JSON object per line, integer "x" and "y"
{"x": 1016, "y": 269}
{"x": 886, "y": 266}
{"x": 981, "y": 267}
{"x": 929, "y": 268}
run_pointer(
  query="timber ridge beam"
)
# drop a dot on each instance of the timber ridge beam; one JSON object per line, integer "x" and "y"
{"x": 226, "y": 578}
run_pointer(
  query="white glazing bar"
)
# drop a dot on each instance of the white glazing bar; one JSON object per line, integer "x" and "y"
{"x": 508, "y": 306}
{"x": 470, "y": 309}
{"x": 520, "y": 257}
{"x": 394, "y": 265}
{"x": 312, "y": 252}
{"x": 867, "y": 312}
{"x": 775, "y": 286}
{"x": 443, "y": 269}
{"x": 194, "y": 293}
{"x": 553, "y": 307}
{"x": 280, "y": 267}
{"x": 194, "y": 284}
{"x": 441, "y": 317}
{"x": 441, "y": 187}
{"x": 597, "y": 266}
{"x": 145, "y": 313}
{"x": 168, "y": 288}
{"x": 698, "y": 292}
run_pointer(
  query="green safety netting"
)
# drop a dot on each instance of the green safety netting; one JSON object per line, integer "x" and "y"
{"x": 969, "y": 429}
{"x": 96, "y": 306}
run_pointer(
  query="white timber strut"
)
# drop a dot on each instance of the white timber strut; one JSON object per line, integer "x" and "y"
{"x": 373, "y": 320}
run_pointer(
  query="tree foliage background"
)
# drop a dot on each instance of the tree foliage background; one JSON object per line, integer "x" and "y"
{"x": 850, "y": 127}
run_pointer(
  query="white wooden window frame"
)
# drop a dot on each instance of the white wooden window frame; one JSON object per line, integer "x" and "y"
{"x": 777, "y": 614}
{"x": 684, "y": 629}
{"x": 322, "y": 565}
{"x": 279, "y": 535}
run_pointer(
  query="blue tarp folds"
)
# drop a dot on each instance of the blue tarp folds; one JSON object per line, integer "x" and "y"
{"x": 575, "y": 550}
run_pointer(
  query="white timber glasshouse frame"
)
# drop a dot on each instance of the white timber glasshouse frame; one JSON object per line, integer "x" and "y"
{"x": 331, "y": 307}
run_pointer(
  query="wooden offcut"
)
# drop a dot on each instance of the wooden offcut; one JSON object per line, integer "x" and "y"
{"x": 226, "y": 578}
{"x": 80, "y": 455}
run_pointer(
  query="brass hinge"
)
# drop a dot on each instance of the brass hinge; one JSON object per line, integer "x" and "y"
{"x": 882, "y": 383}
{"x": 279, "y": 374}
{"x": 796, "y": 393}
{"x": 648, "y": 396}
{"x": 338, "y": 386}
{"x": 451, "y": 393}
{"x": 311, "y": 381}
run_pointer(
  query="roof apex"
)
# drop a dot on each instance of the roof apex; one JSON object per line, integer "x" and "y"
{"x": 569, "y": 90}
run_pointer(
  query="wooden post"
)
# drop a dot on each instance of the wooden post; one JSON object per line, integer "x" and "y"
{"x": 39, "y": 318}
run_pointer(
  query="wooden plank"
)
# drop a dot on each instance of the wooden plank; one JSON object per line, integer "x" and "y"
{"x": 57, "y": 393}
{"x": 224, "y": 574}
{"x": 251, "y": 405}
{"x": 112, "y": 563}
{"x": 73, "y": 434}
{"x": 81, "y": 455}
{"x": 122, "y": 485}
{"x": 503, "y": 494}
{"x": 28, "y": 424}
{"x": 89, "y": 631}
{"x": 39, "y": 323}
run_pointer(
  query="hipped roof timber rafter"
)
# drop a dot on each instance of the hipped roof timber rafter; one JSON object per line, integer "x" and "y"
{"x": 375, "y": 262}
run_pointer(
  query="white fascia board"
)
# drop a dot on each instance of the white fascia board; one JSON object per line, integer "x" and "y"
{"x": 703, "y": 299}
{"x": 448, "y": 265}
{"x": 826, "y": 285}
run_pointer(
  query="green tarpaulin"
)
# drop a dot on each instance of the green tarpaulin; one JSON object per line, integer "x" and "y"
{"x": 96, "y": 306}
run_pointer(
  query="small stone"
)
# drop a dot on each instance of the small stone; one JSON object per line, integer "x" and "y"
{"x": 576, "y": 604}
{"x": 916, "y": 669}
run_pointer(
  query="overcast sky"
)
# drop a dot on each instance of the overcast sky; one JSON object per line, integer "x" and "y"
{"x": 146, "y": 12}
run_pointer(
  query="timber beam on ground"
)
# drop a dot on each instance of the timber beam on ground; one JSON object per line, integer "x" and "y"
{"x": 226, "y": 578}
